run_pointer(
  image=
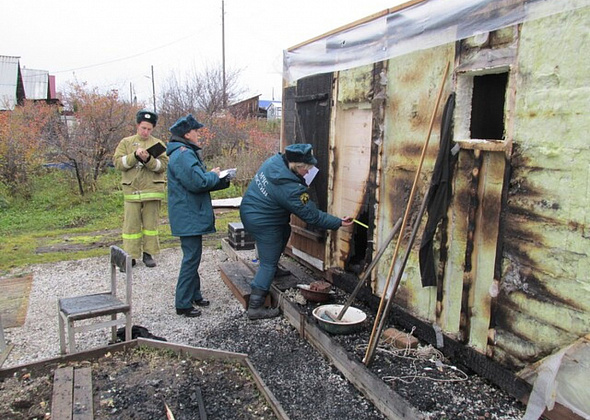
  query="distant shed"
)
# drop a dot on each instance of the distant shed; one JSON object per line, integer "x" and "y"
{"x": 271, "y": 110}
{"x": 39, "y": 85}
{"x": 510, "y": 277}
{"x": 12, "y": 91}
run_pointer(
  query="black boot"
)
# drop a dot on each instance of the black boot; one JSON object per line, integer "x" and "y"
{"x": 256, "y": 309}
{"x": 148, "y": 260}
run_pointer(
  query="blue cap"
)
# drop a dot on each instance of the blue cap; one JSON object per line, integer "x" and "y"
{"x": 300, "y": 153}
{"x": 185, "y": 124}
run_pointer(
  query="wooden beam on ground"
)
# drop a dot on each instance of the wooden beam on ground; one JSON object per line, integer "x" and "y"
{"x": 5, "y": 352}
{"x": 202, "y": 412}
{"x": 82, "y": 407}
{"x": 63, "y": 391}
{"x": 229, "y": 250}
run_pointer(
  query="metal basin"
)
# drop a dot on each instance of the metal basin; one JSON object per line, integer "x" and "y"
{"x": 315, "y": 295}
{"x": 352, "y": 320}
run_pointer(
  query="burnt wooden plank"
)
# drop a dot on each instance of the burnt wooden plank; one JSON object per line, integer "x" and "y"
{"x": 309, "y": 234}
{"x": 202, "y": 412}
{"x": 297, "y": 270}
{"x": 314, "y": 97}
{"x": 82, "y": 408}
{"x": 62, "y": 396}
{"x": 281, "y": 283}
{"x": 195, "y": 352}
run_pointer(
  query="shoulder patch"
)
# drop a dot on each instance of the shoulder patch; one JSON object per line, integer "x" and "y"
{"x": 304, "y": 198}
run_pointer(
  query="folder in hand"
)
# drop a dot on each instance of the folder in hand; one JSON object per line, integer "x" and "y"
{"x": 156, "y": 150}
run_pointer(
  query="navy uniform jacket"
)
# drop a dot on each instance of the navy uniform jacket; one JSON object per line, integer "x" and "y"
{"x": 189, "y": 201}
{"x": 274, "y": 193}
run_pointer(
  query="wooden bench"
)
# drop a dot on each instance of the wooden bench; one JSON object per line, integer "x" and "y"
{"x": 72, "y": 394}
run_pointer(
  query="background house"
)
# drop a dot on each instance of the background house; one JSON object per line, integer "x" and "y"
{"x": 271, "y": 110}
{"x": 39, "y": 85}
{"x": 18, "y": 84}
{"x": 255, "y": 107}
{"x": 247, "y": 108}
{"x": 12, "y": 91}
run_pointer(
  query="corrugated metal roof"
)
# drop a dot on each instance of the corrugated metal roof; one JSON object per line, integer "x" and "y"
{"x": 8, "y": 81}
{"x": 36, "y": 83}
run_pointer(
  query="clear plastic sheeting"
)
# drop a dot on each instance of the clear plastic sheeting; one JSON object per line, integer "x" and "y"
{"x": 563, "y": 378}
{"x": 416, "y": 27}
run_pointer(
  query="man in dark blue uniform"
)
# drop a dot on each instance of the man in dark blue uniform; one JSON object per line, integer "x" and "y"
{"x": 278, "y": 190}
{"x": 189, "y": 208}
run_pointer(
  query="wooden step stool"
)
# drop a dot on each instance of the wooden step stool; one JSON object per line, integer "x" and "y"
{"x": 237, "y": 276}
{"x": 72, "y": 394}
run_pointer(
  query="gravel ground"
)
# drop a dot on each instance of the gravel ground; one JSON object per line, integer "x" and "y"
{"x": 305, "y": 384}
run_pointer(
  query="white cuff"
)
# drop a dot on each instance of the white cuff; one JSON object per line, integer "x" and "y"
{"x": 124, "y": 162}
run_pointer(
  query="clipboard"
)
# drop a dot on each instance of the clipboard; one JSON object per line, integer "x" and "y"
{"x": 231, "y": 173}
{"x": 156, "y": 150}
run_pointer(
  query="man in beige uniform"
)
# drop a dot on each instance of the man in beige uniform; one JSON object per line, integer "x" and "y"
{"x": 144, "y": 183}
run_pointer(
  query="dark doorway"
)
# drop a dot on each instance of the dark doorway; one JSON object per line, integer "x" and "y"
{"x": 487, "y": 106}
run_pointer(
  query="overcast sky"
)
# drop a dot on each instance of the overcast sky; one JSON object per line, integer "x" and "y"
{"x": 112, "y": 44}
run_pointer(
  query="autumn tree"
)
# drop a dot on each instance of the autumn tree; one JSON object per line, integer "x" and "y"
{"x": 230, "y": 140}
{"x": 85, "y": 138}
{"x": 227, "y": 140}
{"x": 198, "y": 92}
{"x": 21, "y": 145}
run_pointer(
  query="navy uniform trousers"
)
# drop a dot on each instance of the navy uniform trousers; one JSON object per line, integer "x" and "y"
{"x": 188, "y": 286}
{"x": 270, "y": 243}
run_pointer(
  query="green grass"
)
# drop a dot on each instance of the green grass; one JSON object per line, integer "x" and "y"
{"x": 58, "y": 224}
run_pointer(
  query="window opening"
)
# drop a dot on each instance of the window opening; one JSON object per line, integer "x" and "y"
{"x": 487, "y": 106}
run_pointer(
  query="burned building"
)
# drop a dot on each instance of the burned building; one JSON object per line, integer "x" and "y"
{"x": 484, "y": 104}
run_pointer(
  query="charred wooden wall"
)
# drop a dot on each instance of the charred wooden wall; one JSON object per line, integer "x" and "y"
{"x": 512, "y": 257}
{"x": 543, "y": 302}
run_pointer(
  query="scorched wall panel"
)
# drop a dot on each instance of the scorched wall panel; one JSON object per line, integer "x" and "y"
{"x": 413, "y": 82}
{"x": 544, "y": 295}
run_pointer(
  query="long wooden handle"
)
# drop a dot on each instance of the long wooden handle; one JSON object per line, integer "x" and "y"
{"x": 369, "y": 354}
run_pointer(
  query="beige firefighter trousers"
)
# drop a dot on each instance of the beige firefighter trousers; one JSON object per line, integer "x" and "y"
{"x": 140, "y": 228}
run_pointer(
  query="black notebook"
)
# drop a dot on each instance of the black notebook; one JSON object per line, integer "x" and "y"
{"x": 157, "y": 149}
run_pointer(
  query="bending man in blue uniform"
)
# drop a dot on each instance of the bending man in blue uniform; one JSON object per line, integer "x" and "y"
{"x": 278, "y": 190}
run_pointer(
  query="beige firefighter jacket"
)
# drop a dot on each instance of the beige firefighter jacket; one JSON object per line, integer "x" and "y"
{"x": 141, "y": 181}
